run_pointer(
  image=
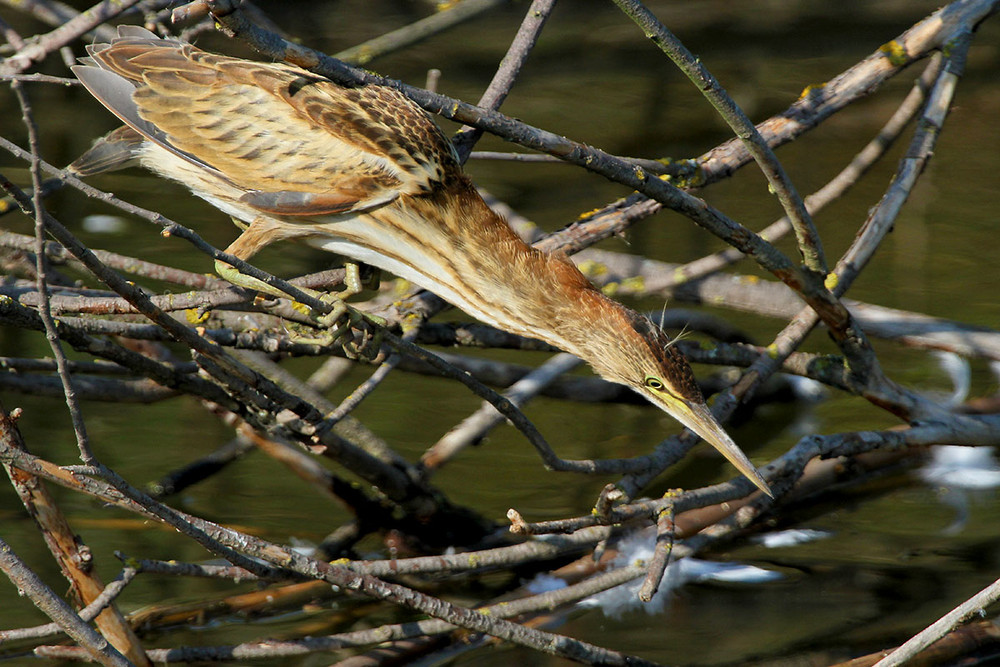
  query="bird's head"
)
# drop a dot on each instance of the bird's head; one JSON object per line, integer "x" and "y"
{"x": 646, "y": 360}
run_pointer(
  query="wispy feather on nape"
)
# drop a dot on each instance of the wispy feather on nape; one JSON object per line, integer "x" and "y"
{"x": 663, "y": 335}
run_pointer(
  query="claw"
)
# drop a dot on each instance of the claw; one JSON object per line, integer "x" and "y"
{"x": 343, "y": 318}
{"x": 336, "y": 325}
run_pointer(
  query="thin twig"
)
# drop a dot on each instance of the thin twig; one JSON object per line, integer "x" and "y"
{"x": 810, "y": 245}
{"x": 505, "y": 76}
{"x": 550, "y": 548}
{"x": 475, "y": 427}
{"x": 58, "y": 610}
{"x": 41, "y": 272}
{"x": 935, "y": 631}
{"x": 835, "y": 187}
{"x": 87, "y": 614}
{"x": 665, "y": 535}
{"x": 364, "y": 390}
{"x": 418, "y": 31}
{"x": 64, "y": 34}
{"x": 41, "y": 78}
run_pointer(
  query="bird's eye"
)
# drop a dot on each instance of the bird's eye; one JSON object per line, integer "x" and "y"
{"x": 653, "y": 382}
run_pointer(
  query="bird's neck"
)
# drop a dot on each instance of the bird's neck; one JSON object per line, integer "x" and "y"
{"x": 526, "y": 291}
{"x": 468, "y": 255}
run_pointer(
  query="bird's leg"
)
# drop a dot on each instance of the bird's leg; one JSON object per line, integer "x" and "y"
{"x": 337, "y": 322}
{"x": 369, "y": 277}
{"x": 357, "y": 278}
{"x": 255, "y": 236}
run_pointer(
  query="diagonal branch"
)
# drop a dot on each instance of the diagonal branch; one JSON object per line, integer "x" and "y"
{"x": 810, "y": 245}
{"x": 503, "y": 80}
{"x": 82, "y": 23}
{"x": 45, "y": 599}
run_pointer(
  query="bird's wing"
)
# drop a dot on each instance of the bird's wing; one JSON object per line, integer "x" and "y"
{"x": 295, "y": 143}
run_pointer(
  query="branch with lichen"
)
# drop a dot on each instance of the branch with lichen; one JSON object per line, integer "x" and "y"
{"x": 239, "y": 346}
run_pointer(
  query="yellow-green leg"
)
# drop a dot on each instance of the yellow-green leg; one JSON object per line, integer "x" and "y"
{"x": 341, "y": 317}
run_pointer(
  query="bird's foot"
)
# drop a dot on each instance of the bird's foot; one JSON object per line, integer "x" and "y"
{"x": 336, "y": 325}
{"x": 343, "y": 325}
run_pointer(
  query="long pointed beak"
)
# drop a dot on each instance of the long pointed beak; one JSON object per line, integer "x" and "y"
{"x": 699, "y": 419}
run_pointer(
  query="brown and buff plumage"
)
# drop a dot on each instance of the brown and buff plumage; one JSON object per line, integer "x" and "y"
{"x": 364, "y": 172}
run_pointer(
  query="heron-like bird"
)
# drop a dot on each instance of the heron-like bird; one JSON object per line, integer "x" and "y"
{"x": 363, "y": 172}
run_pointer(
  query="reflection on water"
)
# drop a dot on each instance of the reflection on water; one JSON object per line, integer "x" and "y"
{"x": 898, "y": 558}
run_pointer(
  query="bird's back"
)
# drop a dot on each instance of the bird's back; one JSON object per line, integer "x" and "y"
{"x": 268, "y": 127}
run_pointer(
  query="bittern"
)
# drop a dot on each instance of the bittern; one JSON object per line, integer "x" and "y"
{"x": 363, "y": 172}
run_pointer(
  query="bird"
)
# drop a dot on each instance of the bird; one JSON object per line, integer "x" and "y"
{"x": 364, "y": 172}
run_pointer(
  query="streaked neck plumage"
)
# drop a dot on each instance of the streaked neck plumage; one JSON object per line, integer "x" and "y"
{"x": 469, "y": 256}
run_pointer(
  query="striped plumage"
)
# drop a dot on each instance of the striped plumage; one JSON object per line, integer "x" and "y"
{"x": 363, "y": 172}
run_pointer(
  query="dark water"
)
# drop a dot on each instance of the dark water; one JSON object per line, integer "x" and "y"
{"x": 894, "y": 559}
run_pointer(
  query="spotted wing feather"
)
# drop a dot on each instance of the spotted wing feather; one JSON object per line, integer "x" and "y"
{"x": 116, "y": 93}
{"x": 296, "y": 143}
